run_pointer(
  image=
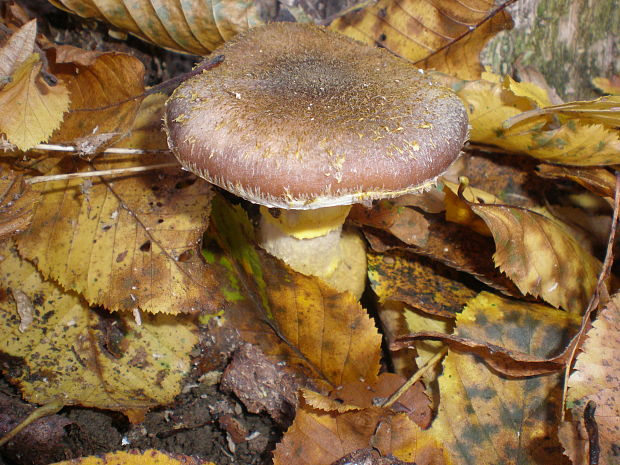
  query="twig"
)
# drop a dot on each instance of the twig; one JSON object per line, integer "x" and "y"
{"x": 5, "y": 145}
{"x": 45, "y": 410}
{"x": 90, "y": 174}
{"x": 415, "y": 378}
{"x": 600, "y": 287}
{"x": 592, "y": 429}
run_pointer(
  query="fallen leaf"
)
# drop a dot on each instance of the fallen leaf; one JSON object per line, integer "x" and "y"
{"x": 423, "y": 285}
{"x": 319, "y": 334}
{"x": 97, "y": 80}
{"x": 190, "y": 26}
{"x": 491, "y": 318}
{"x": 596, "y": 378}
{"x": 577, "y": 141}
{"x": 447, "y": 36}
{"x": 608, "y": 85}
{"x": 485, "y": 418}
{"x": 17, "y": 203}
{"x": 537, "y": 252}
{"x": 320, "y": 438}
{"x": 135, "y": 457}
{"x": 125, "y": 242}
{"x": 32, "y": 109}
{"x": 87, "y": 357}
{"x": 600, "y": 181}
{"x": 17, "y": 49}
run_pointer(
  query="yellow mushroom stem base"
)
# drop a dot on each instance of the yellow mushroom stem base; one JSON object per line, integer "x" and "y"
{"x": 313, "y": 243}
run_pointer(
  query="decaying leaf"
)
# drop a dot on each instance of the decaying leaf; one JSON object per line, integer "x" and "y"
{"x": 596, "y": 378}
{"x": 491, "y": 318}
{"x": 87, "y": 357}
{"x": 191, "y": 26}
{"x": 320, "y": 438}
{"x": 97, "y": 80}
{"x": 447, "y": 36}
{"x": 125, "y": 242}
{"x": 537, "y": 252}
{"x": 608, "y": 85}
{"x": 32, "y": 109}
{"x": 17, "y": 203}
{"x": 417, "y": 282}
{"x": 16, "y": 50}
{"x": 316, "y": 332}
{"x": 135, "y": 457}
{"x": 485, "y": 418}
{"x": 600, "y": 181}
{"x": 578, "y": 140}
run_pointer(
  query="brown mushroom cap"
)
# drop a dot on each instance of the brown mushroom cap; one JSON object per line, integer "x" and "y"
{"x": 301, "y": 117}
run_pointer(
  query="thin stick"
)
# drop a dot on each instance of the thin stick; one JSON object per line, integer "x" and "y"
{"x": 90, "y": 174}
{"x": 45, "y": 410}
{"x": 415, "y": 378}
{"x": 4, "y": 145}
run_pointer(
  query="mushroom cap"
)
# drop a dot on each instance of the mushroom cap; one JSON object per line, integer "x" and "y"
{"x": 300, "y": 117}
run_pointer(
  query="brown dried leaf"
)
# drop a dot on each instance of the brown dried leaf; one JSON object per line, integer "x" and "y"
{"x": 125, "y": 242}
{"x": 445, "y": 35}
{"x": 17, "y": 203}
{"x": 17, "y": 49}
{"x": 597, "y": 180}
{"x": 320, "y": 438}
{"x": 537, "y": 251}
{"x": 192, "y": 26}
{"x": 596, "y": 378}
{"x": 94, "y": 80}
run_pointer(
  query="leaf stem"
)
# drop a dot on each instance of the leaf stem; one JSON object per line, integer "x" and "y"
{"x": 90, "y": 174}
{"x": 45, "y": 410}
{"x": 415, "y": 378}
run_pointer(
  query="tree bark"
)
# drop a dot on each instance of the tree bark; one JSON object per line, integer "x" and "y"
{"x": 568, "y": 41}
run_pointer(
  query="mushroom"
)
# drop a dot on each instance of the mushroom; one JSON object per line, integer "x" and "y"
{"x": 306, "y": 122}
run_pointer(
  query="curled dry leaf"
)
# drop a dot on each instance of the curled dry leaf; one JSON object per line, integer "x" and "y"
{"x": 319, "y": 334}
{"x": 32, "y": 109}
{"x": 135, "y": 457}
{"x": 485, "y": 418}
{"x": 492, "y": 318}
{"x": 577, "y": 141}
{"x": 537, "y": 252}
{"x": 86, "y": 357}
{"x": 192, "y": 26}
{"x": 17, "y": 203}
{"x": 96, "y": 80}
{"x": 447, "y": 36}
{"x": 125, "y": 242}
{"x": 596, "y": 378}
{"x": 16, "y": 49}
{"x": 600, "y": 181}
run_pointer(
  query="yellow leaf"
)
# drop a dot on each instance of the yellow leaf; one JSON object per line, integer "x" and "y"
{"x": 608, "y": 85}
{"x": 485, "y": 418}
{"x": 596, "y": 379}
{"x": 134, "y": 457}
{"x": 506, "y": 115}
{"x": 447, "y": 36}
{"x": 322, "y": 335}
{"x": 539, "y": 254}
{"x": 82, "y": 356}
{"x": 17, "y": 49}
{"x": 31, "y": 109}
{"x": 125, "y": 242}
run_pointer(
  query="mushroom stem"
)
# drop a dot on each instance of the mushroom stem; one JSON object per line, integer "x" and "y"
{"x": 313, "y": 243}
